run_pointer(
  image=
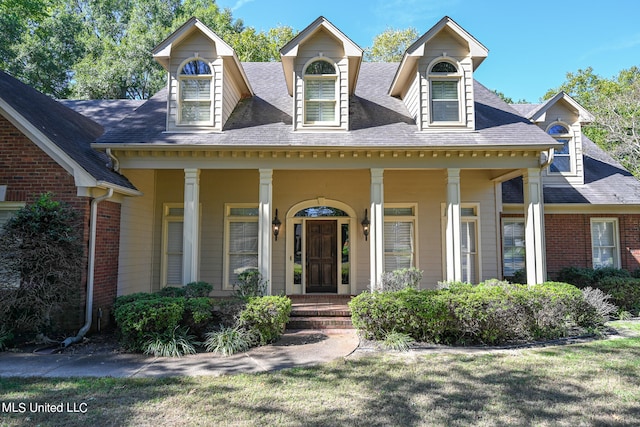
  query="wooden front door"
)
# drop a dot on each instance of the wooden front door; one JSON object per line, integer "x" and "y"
{"x": 322, "y": 263}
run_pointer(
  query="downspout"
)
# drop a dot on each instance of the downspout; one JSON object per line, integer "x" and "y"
{"x": 90, "y": 270}
{"x": 544, "y": 163}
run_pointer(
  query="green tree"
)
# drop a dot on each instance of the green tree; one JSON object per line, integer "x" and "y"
{"x": 390, "y": 45}
{"x": 15, "y": 17}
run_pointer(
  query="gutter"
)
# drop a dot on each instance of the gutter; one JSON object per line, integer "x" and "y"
{"x": 90, "y": 271}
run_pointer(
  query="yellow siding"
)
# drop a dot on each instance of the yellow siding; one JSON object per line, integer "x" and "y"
{"x": 135, "y": 261}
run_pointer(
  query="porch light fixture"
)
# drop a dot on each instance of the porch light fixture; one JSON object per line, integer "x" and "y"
{"x": 276, "y": 226}
{"x": 365, "y": 226}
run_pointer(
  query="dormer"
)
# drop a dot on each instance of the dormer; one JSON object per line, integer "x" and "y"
{"x": 435, "y": 78}
{"x": 206, "y": 79}
{"x": 321, "y": 67}
{"x": 562, "y": 118}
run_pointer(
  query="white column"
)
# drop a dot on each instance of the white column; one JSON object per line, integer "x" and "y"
{"x": 264, "y": 225}
{"x": 376, "y": 234}
{"x": 191, "y": 227}
{"x": 452, "y": 233}
{"x": 534, "y": 227}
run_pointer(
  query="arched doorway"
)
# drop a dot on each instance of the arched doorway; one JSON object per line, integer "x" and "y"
{"x": 319, "y": 252}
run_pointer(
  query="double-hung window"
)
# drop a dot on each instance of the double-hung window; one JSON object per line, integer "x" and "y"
{"x": 195, "y": 79}
{"x": 469, "y": 243}
{"x": 562, "y": 156}
{"x": 320, "y": 100}
{"x": 445, "y": 94}
{"x": 241, "y": 241}
{"x": 605, "y": 246}
{"x": 513, "y": 247}
{"x": 399, "y": 237}
{"x": 172, "y": 232}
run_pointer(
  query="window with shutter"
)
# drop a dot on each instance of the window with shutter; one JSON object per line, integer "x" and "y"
{"x": 399, "y": 237}
{"x": 320, "y": 100}
{"x": 195, "y": 79}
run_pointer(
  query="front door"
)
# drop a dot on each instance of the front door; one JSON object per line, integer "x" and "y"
{"x": 322, "y": 263}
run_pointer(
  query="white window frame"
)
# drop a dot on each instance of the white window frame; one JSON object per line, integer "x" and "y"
{"x": 616, "y": 242}
{"x": 336, "y": 101}
{"x": 181, "y": 78}
{"x": 12, "y": 208}
{"x": 475, "y": 219}
{"x": 456, "y": 77}
{"x": 167, "y": 218}
{"x": 413, "y": 219}
{"x": 572, "y": 149}
{"x": 228, "y": 219}
{"x": 512, "y": 220}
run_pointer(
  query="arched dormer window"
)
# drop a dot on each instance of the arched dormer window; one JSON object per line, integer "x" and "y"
{"x": 195, "y": 99}
{"x": 444, "y": 78}
{"x": 320, "y": 100}
{"x": 562, "y": 157}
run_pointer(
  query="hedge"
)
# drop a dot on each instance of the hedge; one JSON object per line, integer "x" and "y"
{"x": 489, "y": 313}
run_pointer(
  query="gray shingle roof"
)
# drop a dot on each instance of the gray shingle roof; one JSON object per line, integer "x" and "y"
{"x": 69, "y": 130}
{"x": 106, "y": 112}
{"x": 377, "y": 119}
{"x": 606, "y": 182}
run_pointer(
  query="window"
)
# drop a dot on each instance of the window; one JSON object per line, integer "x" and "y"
{"x": 241, "y": 241}
{"x": 399, "y": 237}
{"x": 445, "y": 97}
{"x": 604, "y": 242}
{"x": 562, "y": 157}
{"x": 320, "y": 104}
{"x": 469, "y": 243}
{"x": 513, "y": 247}
{"x": 172, "y": 227}
{"x": 195, "y": 79}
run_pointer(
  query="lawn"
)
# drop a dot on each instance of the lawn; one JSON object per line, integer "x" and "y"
{"x": 594, "y": 383}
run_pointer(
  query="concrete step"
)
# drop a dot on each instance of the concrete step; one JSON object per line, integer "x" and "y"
{"x": 319, "y": 322}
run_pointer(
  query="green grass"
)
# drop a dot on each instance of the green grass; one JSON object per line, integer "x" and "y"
{"x": 596, "y": 383}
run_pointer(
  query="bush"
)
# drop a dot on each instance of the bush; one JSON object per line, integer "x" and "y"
{"x": 490, "y": 313}
{"x": 229, "y": 340}
{"x": 197, "y": 289}
{"x": 250, "y": 285}
{"x": 40, "y": 266}
{"x": 266, "y": 316}
{"x": 624, "y": 291}
{"x": 399, "y": 279}
{"x": 175, "y": 343}
{"x": 577, "y": 276}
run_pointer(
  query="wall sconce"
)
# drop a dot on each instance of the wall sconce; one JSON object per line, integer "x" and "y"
{"x": 365, "y": 226}
{"x": 276, "y": 226}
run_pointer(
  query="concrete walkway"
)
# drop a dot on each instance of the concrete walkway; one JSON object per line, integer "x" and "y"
{"x": 294, "y": 349}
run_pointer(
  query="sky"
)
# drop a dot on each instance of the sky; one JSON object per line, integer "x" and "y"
{"x": 532, "y": 44}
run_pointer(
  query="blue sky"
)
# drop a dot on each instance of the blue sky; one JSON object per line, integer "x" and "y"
{"x": 532, "y": 45}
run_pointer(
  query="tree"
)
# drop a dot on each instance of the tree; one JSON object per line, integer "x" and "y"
{"x": 390, "y": 45}
{"x": 15, "y": 16}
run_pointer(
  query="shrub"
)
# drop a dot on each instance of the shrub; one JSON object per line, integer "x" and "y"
{"x": 266, "y": 316}
{"x": 397, "y": 341}
{"x": 250, "y": 285}
{"x": 174, "y": 343}
{"x": 229, "y": 340}
{"x": 624, "y": 291}
{"x": 171, "y": 292}
{"x": 599, "y": 302}
{"x": 197, "y": 289}
{"x": 41, "y": 265}
{"x": 490, "y": 313}
{"x": 399, "y": 279}
{"x": 577, "y": 276}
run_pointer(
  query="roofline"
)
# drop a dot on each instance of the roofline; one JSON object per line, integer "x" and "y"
{"x": 538, "y": 113}
{"x": 360, "y": 148}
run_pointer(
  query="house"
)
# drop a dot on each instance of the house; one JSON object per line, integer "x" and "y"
{"x": 324, "y": 171}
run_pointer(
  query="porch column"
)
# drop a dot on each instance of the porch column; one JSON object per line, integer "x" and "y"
{"x": 191, "y": 227}
{"x": 452, "y": 233}
{"x": 376, "y": 233}
{"x": 264, "y": 225}
{"x": 534, "y": 227}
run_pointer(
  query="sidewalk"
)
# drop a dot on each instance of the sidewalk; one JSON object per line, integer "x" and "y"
{"x": 294, "y": 349}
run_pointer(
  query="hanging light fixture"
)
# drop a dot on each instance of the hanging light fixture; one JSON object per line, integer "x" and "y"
{"x": 365, "y": 226}
{"x": 276, "y": 226}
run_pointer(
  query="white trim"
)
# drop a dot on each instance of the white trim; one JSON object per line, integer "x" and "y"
{"x": 291, "y": 220}
{"x": 336, "y": 106}
{"x": 179, "y": 101}
{"x": 571, "y": 136}
{"x": 616, "y": 238}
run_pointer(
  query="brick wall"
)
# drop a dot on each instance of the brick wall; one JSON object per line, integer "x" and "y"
{"x": 28, "y": 172}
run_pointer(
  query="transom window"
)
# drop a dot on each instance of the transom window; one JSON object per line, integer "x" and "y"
{"x": 445, "y": 97}
{"x": 562, "y": 157}
{"x": 195, "y": 79}
{"x": 320, "y": 101}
